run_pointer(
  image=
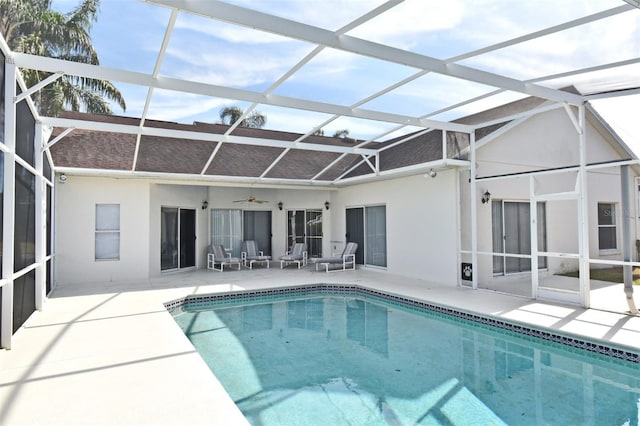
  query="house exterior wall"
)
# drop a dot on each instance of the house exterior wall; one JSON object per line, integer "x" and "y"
{"x": 140, "y": 222}
{"x": 75, "y": 213}
{"x": 422, "y": 224}
{"x": 424, "y": 216}
{"x": 545, "y": 141}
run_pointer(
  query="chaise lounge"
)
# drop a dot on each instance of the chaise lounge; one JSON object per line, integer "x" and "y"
{"x": 216, "y": 255}
{"x": 297, "y": 254}
{"x": 347, "y": 259}
{"x": 251, "y": 254}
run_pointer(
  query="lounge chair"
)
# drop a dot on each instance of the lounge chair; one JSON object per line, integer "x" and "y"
{"x": 347, "y": 259}
{"x": 297, "y": 254}
{"x": 251, "y": 254}
{"x": 216, "y": 255}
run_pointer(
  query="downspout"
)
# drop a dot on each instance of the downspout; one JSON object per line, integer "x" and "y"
{"x": 626, "y": 238}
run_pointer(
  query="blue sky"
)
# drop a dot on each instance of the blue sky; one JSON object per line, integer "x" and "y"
{"x": 129, "y": 33}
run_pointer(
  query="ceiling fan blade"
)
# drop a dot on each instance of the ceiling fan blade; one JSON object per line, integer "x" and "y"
{"x": 261, "y": 201}
{"x": 239, "y": 201}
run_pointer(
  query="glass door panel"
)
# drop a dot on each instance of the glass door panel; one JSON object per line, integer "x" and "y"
{"x": 355, "y": 231}
{"x": 295, "y": 227}
{"x": 257, "y": 226}
{"x": 314, "y": 233}
{"x": 376, "y": 235}
{"x": 187, "y": 238}
{"x": 168, "y": 238}
{"x": 226, "y": 229}
{"x": 511, "y": 222}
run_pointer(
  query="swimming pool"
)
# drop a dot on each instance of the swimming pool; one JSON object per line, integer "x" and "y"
{"x": 330, "y": 354}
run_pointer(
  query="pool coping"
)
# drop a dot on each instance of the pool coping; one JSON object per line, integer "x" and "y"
{"x": 572, "y": 340}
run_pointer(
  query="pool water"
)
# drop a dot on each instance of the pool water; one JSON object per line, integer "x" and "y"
{"x": 342, "y": 360}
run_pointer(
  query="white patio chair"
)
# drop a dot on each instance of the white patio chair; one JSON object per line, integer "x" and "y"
{"x": 347, "y": 259}
{"x": 297, "y": 254}
{"x": 216, "y": 255}
{"x": 251, "y": 254}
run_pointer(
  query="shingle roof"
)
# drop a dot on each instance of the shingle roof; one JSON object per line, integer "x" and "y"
{"x": 171, "y": 155}
{"x": 94, "y": 150}
{"x": 115, "y": 151}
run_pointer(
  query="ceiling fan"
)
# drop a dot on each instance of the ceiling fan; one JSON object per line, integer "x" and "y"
{"x": 251, "y": 199}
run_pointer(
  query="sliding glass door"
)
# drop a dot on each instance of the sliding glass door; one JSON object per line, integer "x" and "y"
{"x": 313, "y": 228}
{"x": 305, "y": 226}
{"x": 367, "y": 226}
{"x": 257, "y": 227}
{"x": 177, "y": 238}
{"x": 511, "y": 223}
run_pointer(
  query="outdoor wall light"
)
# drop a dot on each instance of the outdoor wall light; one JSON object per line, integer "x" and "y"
{"x": 280, "y": 205}
{"x": 486, "y": 197}
{"x": 62, "y": 178}
{"x": 205, "y": 204}
{"x": 432, "y": 173}
{"x": 326, "y": 205}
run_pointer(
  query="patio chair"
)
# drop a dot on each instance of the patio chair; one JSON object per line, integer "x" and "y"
{"x": 251, "y": 254}
{"x": 297, "y": 254}
{"x": 347, "y": 259}
{"x": 216, "y": 255}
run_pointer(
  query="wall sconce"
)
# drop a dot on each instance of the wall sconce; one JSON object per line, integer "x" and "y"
{"x": 326, "y": 205}
{"x": 62, "y": 178}
{"x": 486, "y": 197}
{"x": 205, "y": 204}
{"x": 280, "y": 205}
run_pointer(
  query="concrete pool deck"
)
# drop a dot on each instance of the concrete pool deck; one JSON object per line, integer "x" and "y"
{"x": 110, "y": 354}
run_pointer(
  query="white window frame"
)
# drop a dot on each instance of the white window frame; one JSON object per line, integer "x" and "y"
{"x": 105, "y": 231}
{"x": 614, "y": 225}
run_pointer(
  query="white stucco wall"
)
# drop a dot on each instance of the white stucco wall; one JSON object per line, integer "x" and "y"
{"x": 545, "y": 141}
{"x": 422, "y": 236}
{"x": 75, "y": 212}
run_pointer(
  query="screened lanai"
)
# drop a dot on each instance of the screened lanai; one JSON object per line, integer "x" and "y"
{"x": 416, "y": 85}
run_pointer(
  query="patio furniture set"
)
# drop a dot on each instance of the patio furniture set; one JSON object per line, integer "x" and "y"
{"x": 218, "y": 257}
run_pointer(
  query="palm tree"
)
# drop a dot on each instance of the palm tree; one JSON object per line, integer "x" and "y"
{"x": 31, "y": 26}
{"x": 342, "y": 134}
{"x": 230, "y": 115}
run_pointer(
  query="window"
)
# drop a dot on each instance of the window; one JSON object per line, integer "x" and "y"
{"x": 607, "y": 226}
{"x": 107, "y": 231}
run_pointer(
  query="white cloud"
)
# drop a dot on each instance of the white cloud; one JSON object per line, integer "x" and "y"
{"x": 181, "y": 107}
{"x": 580, "y": 47}
{"x": 227, "y": 32}
{"x": 406, "y": 23}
